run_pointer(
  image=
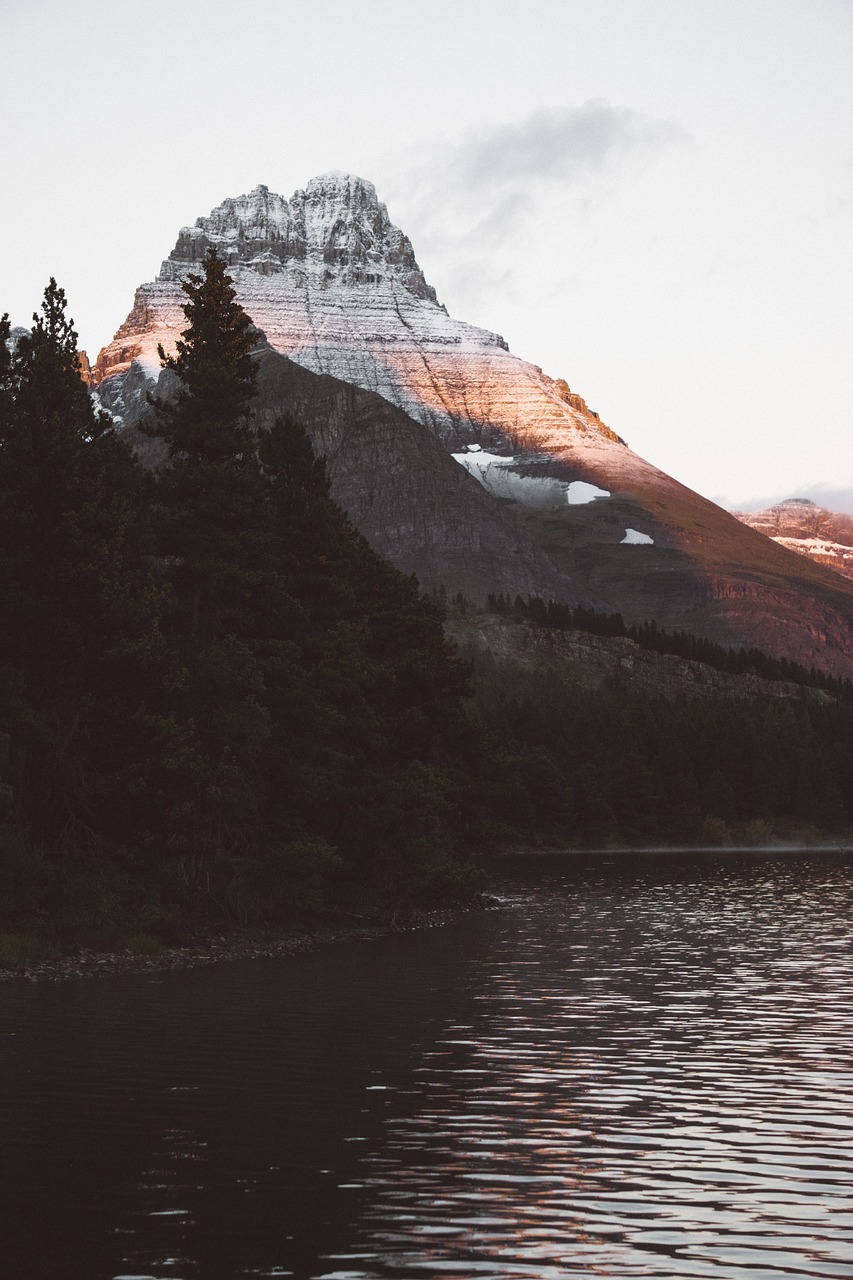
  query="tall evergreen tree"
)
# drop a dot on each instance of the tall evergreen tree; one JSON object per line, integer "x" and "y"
{"x": 209, "y": 417}
{"x": 213, "y": 541}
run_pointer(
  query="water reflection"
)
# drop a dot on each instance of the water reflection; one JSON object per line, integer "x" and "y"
{"x": 658, "y": 1081}
{"x": 640, "y": 1071}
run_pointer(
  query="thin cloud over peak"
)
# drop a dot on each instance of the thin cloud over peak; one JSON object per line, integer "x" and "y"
{"x": 492, "y": 174}
{"x": 466, "y": 200}
{"x": 832, "y": 497}
{"x": 561, "y": 145}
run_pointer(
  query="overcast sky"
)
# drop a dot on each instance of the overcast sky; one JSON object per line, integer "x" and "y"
{"x": 652, "y": 199}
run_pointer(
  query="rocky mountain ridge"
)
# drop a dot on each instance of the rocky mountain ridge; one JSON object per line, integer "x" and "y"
{"x": 544, "y": 497}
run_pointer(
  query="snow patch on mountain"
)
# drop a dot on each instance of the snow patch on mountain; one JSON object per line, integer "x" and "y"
{"x": 817, "y": 547}
{"x": 506, "y": 478}
{"x": 524, "y": 480}
{"x": 476, "y": 458}
{"x": 634, "y": 538}
{"x": 579, "y": 493}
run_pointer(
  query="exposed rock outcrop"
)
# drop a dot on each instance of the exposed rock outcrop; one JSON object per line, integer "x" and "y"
{"x": 592, "y": 662}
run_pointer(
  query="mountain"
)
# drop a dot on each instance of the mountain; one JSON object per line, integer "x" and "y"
{"x": 335, "y": 286}
{"x": 458, "y": 460}
{"x": 799, "y": 524}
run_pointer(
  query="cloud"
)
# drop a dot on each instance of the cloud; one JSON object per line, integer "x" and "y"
{"x": 495, "y": 174}
{"x": 824, "y": 495}
{"x": 558, "y": 147}
{"x": 827, "y": 495}
{"x": 467, "y": 200}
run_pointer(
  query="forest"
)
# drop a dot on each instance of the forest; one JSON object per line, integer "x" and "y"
{"x": 219, "y": 706}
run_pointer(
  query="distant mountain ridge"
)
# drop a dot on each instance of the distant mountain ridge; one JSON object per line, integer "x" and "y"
{"x": 511, "y": 482}
{"x": 801, "y": 525}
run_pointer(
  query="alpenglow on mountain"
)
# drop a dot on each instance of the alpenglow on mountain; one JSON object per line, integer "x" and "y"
{"x": 335, "y": 286}
{"x": 458, "y": 460}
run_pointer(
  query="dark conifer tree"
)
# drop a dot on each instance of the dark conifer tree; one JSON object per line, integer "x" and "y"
{"x": 214, "y": 544}
{"x": 209, "y": 417}
{"x": 212, "y": 492}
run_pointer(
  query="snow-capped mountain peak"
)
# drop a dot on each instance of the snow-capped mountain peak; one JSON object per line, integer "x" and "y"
{"x": 337, "y": 225}
{"x": 335, "y": 285}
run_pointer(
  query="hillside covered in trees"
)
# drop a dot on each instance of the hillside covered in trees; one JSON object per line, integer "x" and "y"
{"x": 218, "y": 704}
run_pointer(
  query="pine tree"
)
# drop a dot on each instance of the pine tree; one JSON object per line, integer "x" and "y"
{"x": 214, "y": 544}
{"x": 209, "y": 417}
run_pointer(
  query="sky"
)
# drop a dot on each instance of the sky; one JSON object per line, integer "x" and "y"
{"x": 652, "y": 199}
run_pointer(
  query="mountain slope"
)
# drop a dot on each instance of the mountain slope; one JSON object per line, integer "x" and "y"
{"x": 336, "y": 288}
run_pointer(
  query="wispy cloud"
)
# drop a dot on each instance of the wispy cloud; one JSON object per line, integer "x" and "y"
{"x": 466, "y": 199}
{"x": 561, "y": 146}
{"x": 824, "y": 495}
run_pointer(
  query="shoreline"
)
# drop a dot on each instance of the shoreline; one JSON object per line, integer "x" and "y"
{"x": 222, "y": 948}
{"x": 242, "y": 944}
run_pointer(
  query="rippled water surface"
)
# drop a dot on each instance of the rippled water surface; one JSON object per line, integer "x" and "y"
{"x": 641, "y": 1070}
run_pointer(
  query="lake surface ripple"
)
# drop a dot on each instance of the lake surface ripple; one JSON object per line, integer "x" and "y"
{"x": 642, "y": 1069}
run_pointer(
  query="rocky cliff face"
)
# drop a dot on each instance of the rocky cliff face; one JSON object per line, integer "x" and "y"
{"x": 511, "y": 483}
{"x": 799, "y": 524}
{"x": 593, "y": 662}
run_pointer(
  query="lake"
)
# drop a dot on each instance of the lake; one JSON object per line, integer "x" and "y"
{"x": 642, "y": 1068}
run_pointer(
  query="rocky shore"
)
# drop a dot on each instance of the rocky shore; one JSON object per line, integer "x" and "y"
{"x": 238, "y": 944}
